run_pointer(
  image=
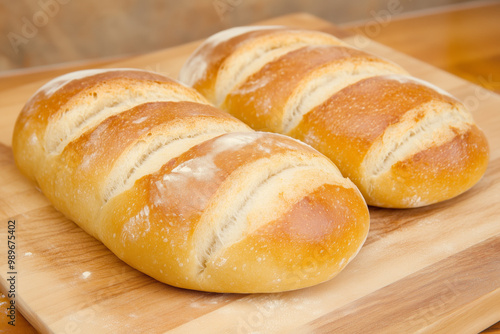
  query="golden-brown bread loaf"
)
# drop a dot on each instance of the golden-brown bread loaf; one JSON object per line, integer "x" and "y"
{"x": 184, "y": 192}
{"x": 402, "y": 141}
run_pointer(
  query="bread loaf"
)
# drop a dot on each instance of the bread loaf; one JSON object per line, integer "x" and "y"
{"x": 183, "y": 191}
{"x": 402, "y": 141}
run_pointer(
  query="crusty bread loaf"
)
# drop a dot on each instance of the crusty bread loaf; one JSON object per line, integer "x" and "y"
{"x": 183, "y": 191}
{"x": 402, "y": 141}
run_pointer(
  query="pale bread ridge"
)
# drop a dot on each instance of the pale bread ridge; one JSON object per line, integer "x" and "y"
{"x": 57, "y": 83}
{"x": 92, "y": 106}
{"x": 325, "y": 81}
{"x": 251, "y": 57}
{"x": 197, "y": 65}
{"x": 441, "y": 122}
{"x": 149, "y": 154}
{"x": 253, "y": 197}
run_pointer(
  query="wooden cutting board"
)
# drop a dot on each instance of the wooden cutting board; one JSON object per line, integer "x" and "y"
{"x": 433, "y": 269}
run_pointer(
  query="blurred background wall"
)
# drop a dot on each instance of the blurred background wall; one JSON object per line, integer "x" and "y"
{"x": 45, "y": 32}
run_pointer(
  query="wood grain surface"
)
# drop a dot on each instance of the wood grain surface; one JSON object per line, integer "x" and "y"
{"x": 462, "y": 40}
{"x": 433, "y": 269}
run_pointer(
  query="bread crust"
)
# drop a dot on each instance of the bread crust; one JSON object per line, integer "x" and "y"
{"x": 385, "y": 130}
{"x": 203, "y": 70}
{"x": 184, "y": 192}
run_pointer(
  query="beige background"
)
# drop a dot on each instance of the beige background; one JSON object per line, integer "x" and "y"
{"x": 44, "y": 32}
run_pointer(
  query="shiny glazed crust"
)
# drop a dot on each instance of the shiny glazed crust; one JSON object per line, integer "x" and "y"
{"x": 402, "y": 141}
{"x": 183, "y": 191}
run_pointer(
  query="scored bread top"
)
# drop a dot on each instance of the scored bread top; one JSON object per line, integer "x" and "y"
{"x": 108, "y": 126}
{"x": 176, "y": 187}
{"x": 367, "y": 114}
{"x": 135, "y": 143}
{"x": 390, "y": 121}
{"x": 244, "y": 182}
{"x": 67, "y": 106}
{"x": 226, "y": 59}
{"x": 290, "y": 86}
